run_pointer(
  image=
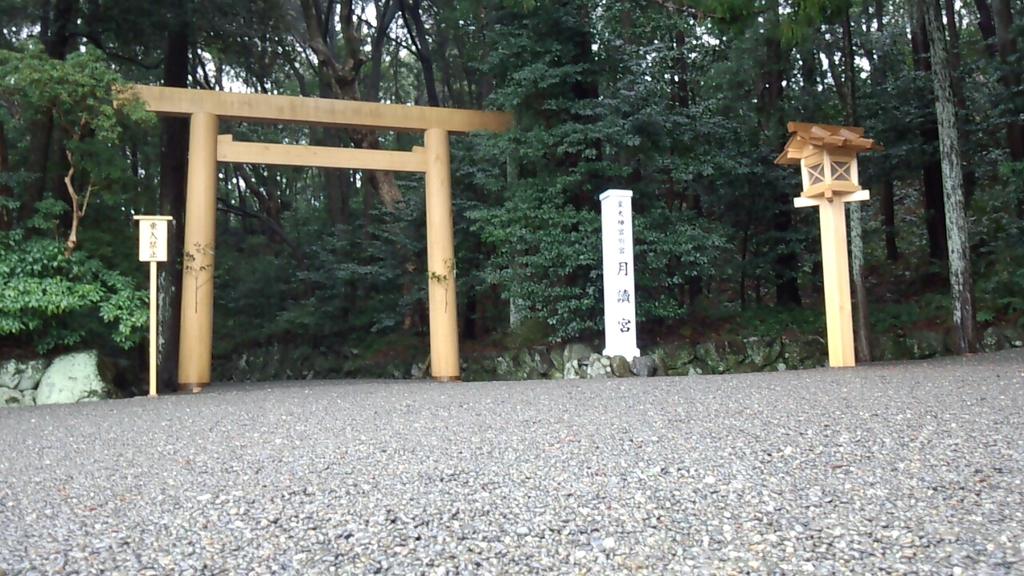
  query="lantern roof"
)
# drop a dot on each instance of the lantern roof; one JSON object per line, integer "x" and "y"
{"x": 806, "y": 139}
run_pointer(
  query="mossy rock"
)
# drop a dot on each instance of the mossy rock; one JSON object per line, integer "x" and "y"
{"x": 680, "y": 356}
{"x": 620, "y": 367}
{"x": 505, "y": 366}
{"x": 557, "y": 355}
{"x": 540, "y": 360}
{"x": 77, "y": 377}
{"x": 708, "y": 358}
{"x": 720, "y": 357}
{"x": 804, "y": 352}
{"x": 22, "y": 375}
{"x": 661, "y": 367}
{"x": 9, "y": 397}
{"x": 993, "y": 340}
{"x": 762, "y": 351}
{"x": 574, "y": 371}
{"x": 576, "y": 351}
{"x": 1014, "y": 336}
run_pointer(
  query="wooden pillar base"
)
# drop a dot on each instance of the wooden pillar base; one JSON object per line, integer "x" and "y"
{"x": 191, "y": 388}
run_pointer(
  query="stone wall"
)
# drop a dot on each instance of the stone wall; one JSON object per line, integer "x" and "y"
{"x": 578, "y": 360}
{"x": 75, "y": 377}
{"x": 84, "y": 376}
{"x": 729, "y": 355}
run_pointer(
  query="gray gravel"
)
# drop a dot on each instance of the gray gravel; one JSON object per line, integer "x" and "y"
{"x": 885, "y": 468}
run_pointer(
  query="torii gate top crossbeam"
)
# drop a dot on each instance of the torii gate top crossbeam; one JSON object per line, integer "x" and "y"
{"x": 318, "y": 111}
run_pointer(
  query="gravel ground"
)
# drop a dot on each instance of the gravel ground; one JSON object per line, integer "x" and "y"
{"x": 886, "y": 468}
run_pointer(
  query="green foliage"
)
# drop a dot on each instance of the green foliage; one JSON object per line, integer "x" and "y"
{"x": 999, "y": 268}
{"x": 569, "y": 145}
{"x": 52, "y": 302}
{"x": 86, "y": 96}
{"x": 668, "y": 99}
{"x": 925, "y": 310}
{"x": 529, "y": 332}
{"x": 90, "y": 106}
{"x": 766, "y": 321}
{"x": 49, "y": 300}
{"x": 347, "y": 291}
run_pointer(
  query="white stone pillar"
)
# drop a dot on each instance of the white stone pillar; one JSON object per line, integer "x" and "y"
{"x": 619, "y": 286}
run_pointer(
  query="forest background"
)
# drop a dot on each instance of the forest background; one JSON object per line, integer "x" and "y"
{"x": 684, "y": 102}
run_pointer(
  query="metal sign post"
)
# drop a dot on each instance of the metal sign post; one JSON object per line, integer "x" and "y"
{"x": 152, "y": 249}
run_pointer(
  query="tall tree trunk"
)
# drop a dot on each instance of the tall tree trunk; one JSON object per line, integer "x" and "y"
{"x": 412, "y": 14}
{"x": 386, "y": 13}
{"x": 336, "y": 181}
{"x": 54, "y": 34}
{"x": 173, "y": 173}
{"x": 6, "y": 219}
{"x": 342, "y": 76}
{"x": 887, "y": 199}
{"x": 787, "y": 262}
{"x": 887, "y": 196}
{"x": 953, "y": 37}
{"x": 995, "y": 21}
{"x": 960, "y": 280}
{"x": 744, "y": 249}
{"x": 953, "y": 33}
{"x": 1011, "y": 79}
{"x": 681, "y": 98}
{"x": 862, "y": 347}
{"x": 934, "y": 204}
{"x": 339, "y": 193}
{"x": 450, "y": 96}
{"x": 61, "y": 43}
{"x": 986, "y": 24}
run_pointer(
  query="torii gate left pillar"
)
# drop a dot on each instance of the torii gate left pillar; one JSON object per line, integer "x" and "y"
{"x": 207, "y": 148}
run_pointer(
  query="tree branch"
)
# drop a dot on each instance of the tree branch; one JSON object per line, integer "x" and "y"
{"x": 225, "y": 206}
{"x": 110, "y": 53}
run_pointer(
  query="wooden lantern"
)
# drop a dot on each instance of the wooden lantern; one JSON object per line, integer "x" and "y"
{"x": 827, "y": 156}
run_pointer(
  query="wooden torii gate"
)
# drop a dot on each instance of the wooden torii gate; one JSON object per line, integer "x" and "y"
{"x": 206, "y": 147}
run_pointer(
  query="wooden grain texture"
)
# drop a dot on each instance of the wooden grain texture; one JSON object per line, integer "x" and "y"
{"x": 229, "y": 150}
{"x": 196, "y": 340}
{"x": 318, "y": 111}
{"x": 444, "y": 321}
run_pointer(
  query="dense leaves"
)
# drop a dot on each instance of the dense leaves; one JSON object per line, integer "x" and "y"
{"x": 683, "y": 102}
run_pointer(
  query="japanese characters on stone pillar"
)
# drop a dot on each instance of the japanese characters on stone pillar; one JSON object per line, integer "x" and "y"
{"x": 619, "y": 285}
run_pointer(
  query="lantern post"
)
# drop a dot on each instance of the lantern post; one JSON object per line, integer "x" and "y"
{"x": 827, "y": 156}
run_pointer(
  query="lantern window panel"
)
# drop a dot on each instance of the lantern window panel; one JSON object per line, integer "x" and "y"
{"x": 816, "y": 174}
{"x": 841, "y": 171}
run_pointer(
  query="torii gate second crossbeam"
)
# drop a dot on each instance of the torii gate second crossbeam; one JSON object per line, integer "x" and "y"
{"x": 205, "y": 109}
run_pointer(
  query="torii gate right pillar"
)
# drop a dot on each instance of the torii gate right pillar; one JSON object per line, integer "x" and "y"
{"x": 444, "y": 319}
